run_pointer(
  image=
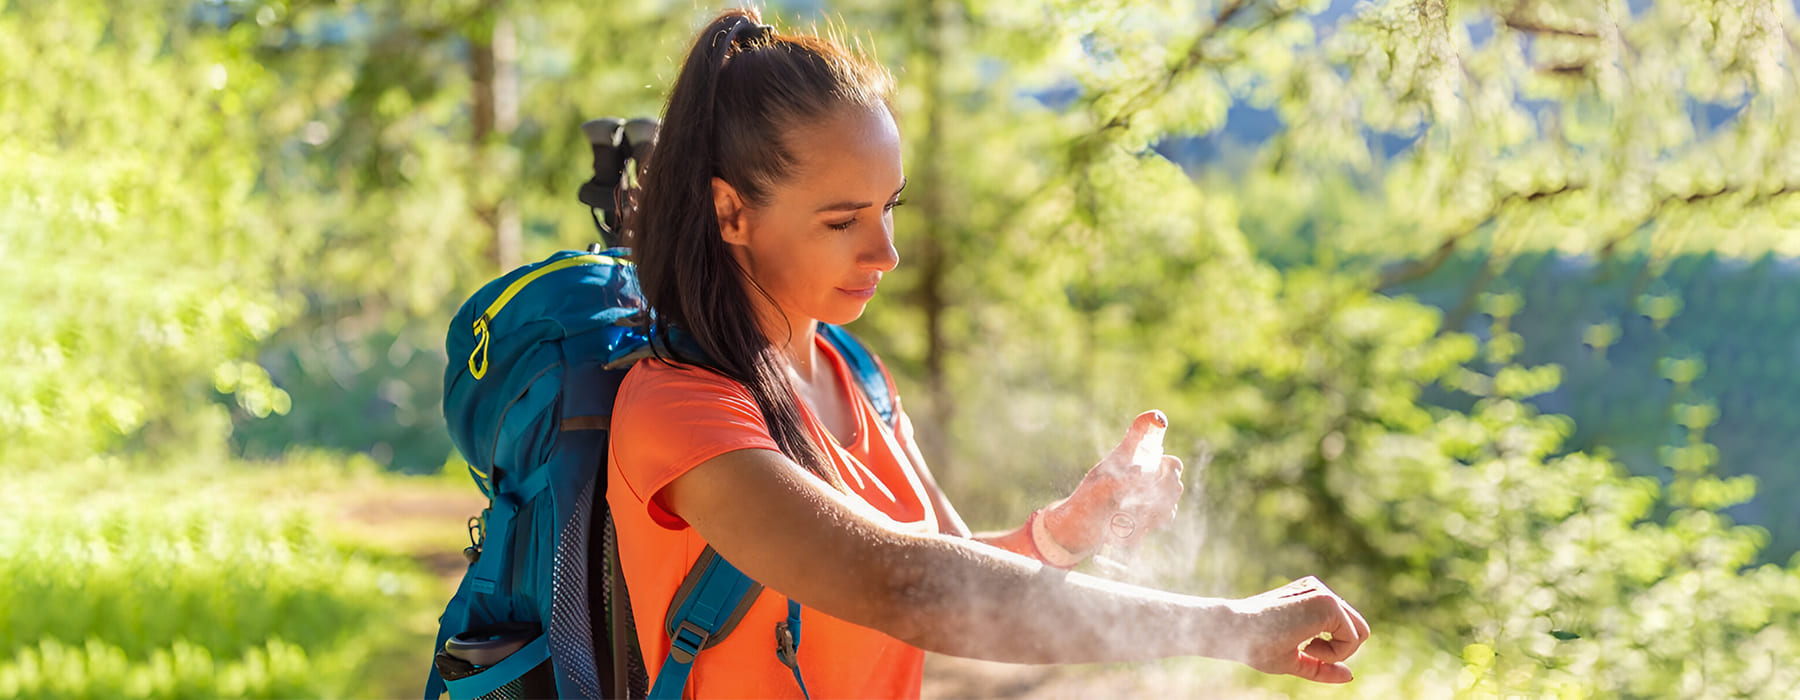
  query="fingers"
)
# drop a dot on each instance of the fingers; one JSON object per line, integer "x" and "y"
{"x": 1318, "y": 671}
{"x": 1321, "y": 660}
{"x": 1323, "y": 630}
{"x": 1144, "y": 437}
{"x": 1356, "y": 619}
{"x": 1351, "y": 619}
{"x": 1154, "y": 501}
{"x": 1327, "y": 650}
{"x": 1170, "y": 488}
{"x": 1342, "y": 624}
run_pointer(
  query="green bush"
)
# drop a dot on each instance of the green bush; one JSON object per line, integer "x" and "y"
{"x": 1627, "y": 333}
{"x": 1478, "y": 534}
{"x": 192, "y": 586}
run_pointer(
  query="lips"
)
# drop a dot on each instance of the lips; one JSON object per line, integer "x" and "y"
{"x": 863, "y": 293}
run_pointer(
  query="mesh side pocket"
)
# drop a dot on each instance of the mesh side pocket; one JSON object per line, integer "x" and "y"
{"x": 571, "y": 619}
{"x": 619, "y": 615}
{"x": 536, "y": 683}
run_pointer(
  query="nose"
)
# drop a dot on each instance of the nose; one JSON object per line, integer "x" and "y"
{"x": 880, "y": 254}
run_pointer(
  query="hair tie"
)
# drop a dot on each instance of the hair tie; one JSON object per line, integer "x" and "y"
{"x": 740, "y": 36}
{"x": 753, "y": 32}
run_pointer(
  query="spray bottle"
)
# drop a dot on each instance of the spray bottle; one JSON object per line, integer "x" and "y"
{"x": 1117, "y": 556}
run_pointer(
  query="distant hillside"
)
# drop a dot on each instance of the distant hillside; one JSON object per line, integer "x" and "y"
{"x": 1622, "y": 327}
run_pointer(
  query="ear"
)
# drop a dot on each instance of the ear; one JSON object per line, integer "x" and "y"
{"x": 728, "y": 205}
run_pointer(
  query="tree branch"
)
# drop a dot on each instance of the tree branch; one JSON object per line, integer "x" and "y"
{"x": 1194, "y": 58}
{"x": 1656, "y": 209}
{"x": 1531, "y": 26}
{"x": 1419, "y": 269}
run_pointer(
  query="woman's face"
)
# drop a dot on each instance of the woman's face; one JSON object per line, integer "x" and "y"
{"x": 825, "y": 237}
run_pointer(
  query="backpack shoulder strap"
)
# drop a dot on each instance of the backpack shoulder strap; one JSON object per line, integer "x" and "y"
{"x": 707, "y": 606}
{"x": 871, "y": 377}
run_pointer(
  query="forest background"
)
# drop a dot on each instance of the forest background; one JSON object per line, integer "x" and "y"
{"x": 1487, "y": 311}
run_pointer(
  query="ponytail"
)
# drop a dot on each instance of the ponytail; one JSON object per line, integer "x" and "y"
{"x": 741, "y": 88}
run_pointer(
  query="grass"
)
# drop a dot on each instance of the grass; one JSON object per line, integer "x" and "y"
{"x": 317, "y": 576}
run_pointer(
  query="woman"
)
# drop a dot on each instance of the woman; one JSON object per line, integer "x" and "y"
{"x": 765, "y": 211}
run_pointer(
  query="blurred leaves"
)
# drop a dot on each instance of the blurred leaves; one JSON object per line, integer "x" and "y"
{"x": 1373, "y": 256}
{"x": 129, "y": 230}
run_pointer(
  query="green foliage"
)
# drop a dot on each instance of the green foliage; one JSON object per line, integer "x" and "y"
{"x": 53, "y": 670}
{"x": 128, "y": 233}
{"x": 1652, "y": 349}
{"x": 1555, "y": 569}
{"x": 243, "y": 225}
{"x": 399, "y": 205}
{"x": 189, "y": 584}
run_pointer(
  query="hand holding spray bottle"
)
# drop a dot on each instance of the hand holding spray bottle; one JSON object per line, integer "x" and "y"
{"x": 1133, "y": 490}
{"x": 1146, "y": 491}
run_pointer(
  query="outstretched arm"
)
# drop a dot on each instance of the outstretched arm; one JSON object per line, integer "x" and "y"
{"x": 792, "y": 532}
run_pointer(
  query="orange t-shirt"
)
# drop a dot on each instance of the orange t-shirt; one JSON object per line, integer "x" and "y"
{"x": 669, "y": 419}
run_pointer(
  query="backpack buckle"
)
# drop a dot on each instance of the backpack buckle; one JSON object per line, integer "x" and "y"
{"x": 687, "y": 641}
{"x": 787, "y": 649}
{"x": 476, "y": 538}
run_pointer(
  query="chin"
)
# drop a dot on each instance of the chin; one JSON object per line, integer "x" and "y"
{"x": 839, "y": 317}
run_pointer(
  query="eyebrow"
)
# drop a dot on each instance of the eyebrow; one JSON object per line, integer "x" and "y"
{"x": 853, "y": 206}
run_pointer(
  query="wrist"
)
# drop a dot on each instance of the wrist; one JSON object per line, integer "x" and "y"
{"x": 1072, "y": 524}
{"x": 1048, "y": 549}
{"x": 1219, "y": 629}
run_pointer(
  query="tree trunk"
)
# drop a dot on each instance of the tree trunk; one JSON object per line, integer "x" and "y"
{"x": 493, "y": 70}
{"x": 933, "y": 257}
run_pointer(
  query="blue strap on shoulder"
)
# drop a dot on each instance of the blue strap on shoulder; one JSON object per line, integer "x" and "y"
{"x": 703, "y": 612}
{"x": 508, "y": 670}
{"x": 787, "y": 644}
{"x": 864, "y": 367}
{"x": 697, "y": 617}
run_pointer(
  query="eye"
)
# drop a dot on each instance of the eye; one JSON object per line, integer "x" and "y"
{"x": 847, "y": 223}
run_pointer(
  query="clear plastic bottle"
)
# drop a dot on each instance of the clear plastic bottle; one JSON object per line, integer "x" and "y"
{"x": 1117, "y": 554}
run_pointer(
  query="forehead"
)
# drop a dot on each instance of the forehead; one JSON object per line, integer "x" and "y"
{"x": 853, "y": 148}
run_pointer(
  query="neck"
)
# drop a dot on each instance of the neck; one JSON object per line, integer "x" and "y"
{"x": 793, "y": 339}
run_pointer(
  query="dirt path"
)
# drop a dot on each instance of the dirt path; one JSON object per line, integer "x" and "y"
{"x": 953, "y": 678}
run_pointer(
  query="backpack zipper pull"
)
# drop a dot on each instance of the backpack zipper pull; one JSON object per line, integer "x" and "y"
{"x": 478, "y": 360}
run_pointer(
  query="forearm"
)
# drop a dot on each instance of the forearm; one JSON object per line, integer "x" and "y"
{"x": 965, "y": 599}
{"x": 1016, "y": 540}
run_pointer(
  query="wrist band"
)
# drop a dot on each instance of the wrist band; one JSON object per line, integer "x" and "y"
{"x": 1047, "y": 548}
{"x": 1036, "y": 553}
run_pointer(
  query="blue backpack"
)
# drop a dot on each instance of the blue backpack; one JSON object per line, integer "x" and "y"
{"x": 536, "y": 359}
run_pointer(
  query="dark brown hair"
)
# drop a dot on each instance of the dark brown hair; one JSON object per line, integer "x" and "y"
{"x": 742, "y": 88}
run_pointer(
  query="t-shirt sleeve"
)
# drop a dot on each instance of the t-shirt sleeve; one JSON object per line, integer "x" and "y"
{"x": 669, "y": 419}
